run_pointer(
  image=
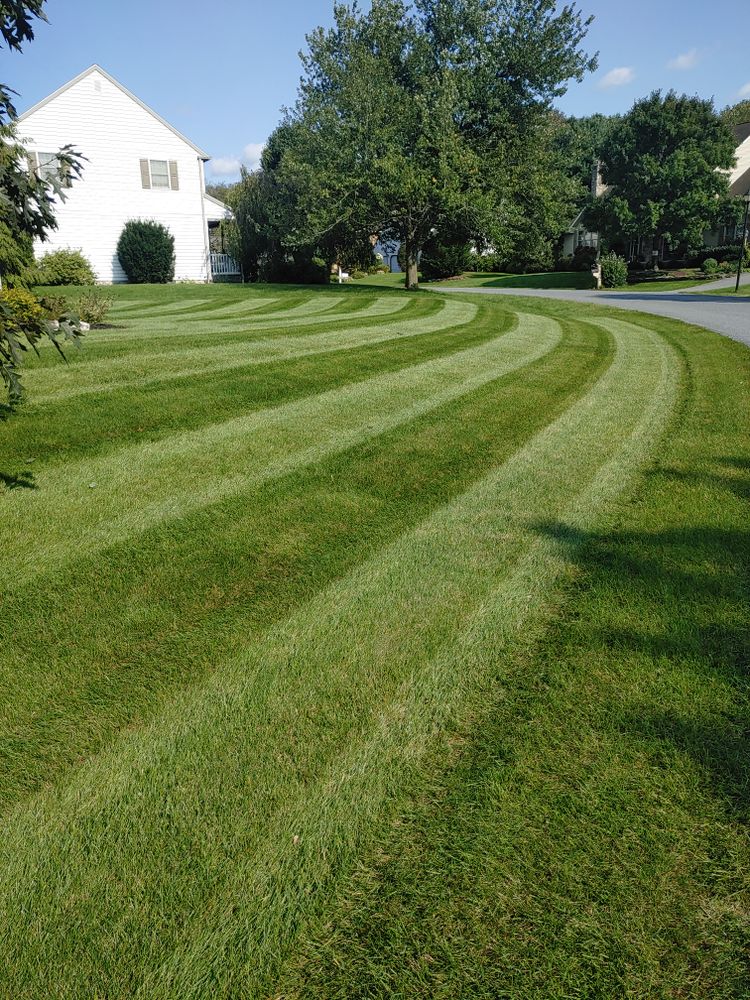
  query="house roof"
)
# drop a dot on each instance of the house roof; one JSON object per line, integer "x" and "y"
{"x": 216, "y": 210}
{"x": 741, "y": 132}
{"x": 98, "y": 69}
{"x": 741, "y": 185}
{"x": 216, "y": 201}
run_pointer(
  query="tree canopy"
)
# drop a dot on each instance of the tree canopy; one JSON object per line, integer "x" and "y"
{"x": 666, "y": 165}
{"x": 413, "y": 119}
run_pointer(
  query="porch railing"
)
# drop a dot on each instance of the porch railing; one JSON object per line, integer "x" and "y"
{"x": 224, "y": 264}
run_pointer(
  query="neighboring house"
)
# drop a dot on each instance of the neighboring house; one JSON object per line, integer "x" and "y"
{"x": 577, "y": 235}
{"x": 137, "y": 166}
{"x": 389, "y": 252}
{"x": 739, "y": 185}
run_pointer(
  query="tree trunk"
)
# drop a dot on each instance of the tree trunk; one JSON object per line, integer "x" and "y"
{"x": 412, "y": 267}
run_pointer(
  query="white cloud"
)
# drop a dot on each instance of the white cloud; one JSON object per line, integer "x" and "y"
{"x": 224, "y": 166}
{"x": 685, "y": 60}
{"x": 229, "y": 166}
{"x": 252, "y": 153}
{"x": 744, "y": 91}
{"x": 617, "y": 77}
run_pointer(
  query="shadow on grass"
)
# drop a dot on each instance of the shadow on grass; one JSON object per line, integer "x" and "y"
{"x": 18, "y": 481}
{"x": 674, "y": 603}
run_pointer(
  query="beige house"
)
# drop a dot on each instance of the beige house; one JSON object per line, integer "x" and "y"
{"x": 739, "y": 185}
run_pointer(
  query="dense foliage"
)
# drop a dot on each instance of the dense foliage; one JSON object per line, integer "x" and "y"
{"x": 16, "y": 256}
{"x": 445, "y": 255}
{"x": 414, "y": 121}
{"x": 737, "y": 114}
{"x": 665, "y": 164}
{"x": 146, "y": 252}
{"x": 579, "y": 142}
{"x": 64, "y": 267}
{"x": 23, "y": 324}
{"x": 27, "y": 203}
{"x": 614, "y": 270}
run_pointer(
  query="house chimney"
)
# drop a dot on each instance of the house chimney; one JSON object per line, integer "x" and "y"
{"x": 598, "y": 187}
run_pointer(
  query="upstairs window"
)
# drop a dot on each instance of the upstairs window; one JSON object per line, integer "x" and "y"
{"x": 160, "y": 174}
{"x": 48, "y": 167}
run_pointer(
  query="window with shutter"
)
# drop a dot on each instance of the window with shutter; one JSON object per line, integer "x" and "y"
{"x": 159, "y": 173}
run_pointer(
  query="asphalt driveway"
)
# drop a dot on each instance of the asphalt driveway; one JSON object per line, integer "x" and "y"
{"x": 726, "y": 314}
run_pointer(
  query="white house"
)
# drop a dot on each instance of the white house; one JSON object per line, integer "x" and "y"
{"x": 137, "y": 166}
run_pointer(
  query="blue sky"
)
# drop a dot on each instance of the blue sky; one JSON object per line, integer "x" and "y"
{"x": 221, "y": 71}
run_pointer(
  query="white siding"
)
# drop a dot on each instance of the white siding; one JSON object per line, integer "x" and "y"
{"x": 114, "y": 133}
{"x": 743, "y": 161}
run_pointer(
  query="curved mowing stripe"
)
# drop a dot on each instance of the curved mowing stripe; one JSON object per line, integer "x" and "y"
{"x": 205, "y": 309}
{"x": 169, "y": 307}
{"x": 86, "y": 505}
{"x": 273, "y": 321}
{"x": 220, "y": 309}
{"x": 223, "y": 822}
{"x": 144, "y": 369}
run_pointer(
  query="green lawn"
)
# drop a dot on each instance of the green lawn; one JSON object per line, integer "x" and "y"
{"x": 551, "y": 279}
{"x": 743, "y": 293}
{"x": 669, "y": 285}
{"x": 359, "y": 644}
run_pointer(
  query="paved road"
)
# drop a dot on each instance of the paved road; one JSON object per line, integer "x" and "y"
{"x": 726, "y": 314}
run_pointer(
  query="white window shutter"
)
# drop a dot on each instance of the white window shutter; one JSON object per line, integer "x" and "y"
{"x": 174, "y": 180}
{"x": 145, "y": 174}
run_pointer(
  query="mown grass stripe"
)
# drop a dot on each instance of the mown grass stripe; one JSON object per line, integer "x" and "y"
{"x": 598, "y": 448}
{"x": 145, "y": 617}
{"x": 90, "y": 425}
{"x": 168, "y": 308}
{"x": 149, "y": 368}
{"x": 141, "y": 485}
{"x": 288, "y": 320}
{"x": 276, "y": 722}
{"x": 595, "y": 797}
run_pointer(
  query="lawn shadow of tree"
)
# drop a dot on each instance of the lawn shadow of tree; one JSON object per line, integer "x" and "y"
{"x": 18, "y": 481}
{"x": 689, "y": 606}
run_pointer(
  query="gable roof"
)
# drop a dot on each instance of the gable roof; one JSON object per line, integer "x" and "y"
{"x": 216, "y": 201}
{"x": 98, "y": 69}
{"x": 741, "y": 132}
{"x": 741, "y": 185}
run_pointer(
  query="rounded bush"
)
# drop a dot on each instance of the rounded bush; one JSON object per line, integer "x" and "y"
{"x": 444, "y": 259}
{"x": 64, "y": 267}
{"x": 614, "y": 270}
{"x": 25, "y": 309}
{"x": 146, "y": 252}
{"x": 710, "y": 265}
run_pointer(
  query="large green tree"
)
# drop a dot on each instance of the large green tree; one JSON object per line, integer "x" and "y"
{"x": 412, "y": 120}
{"x": 665, "y": 165}
{"x": 27, "y": 203}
